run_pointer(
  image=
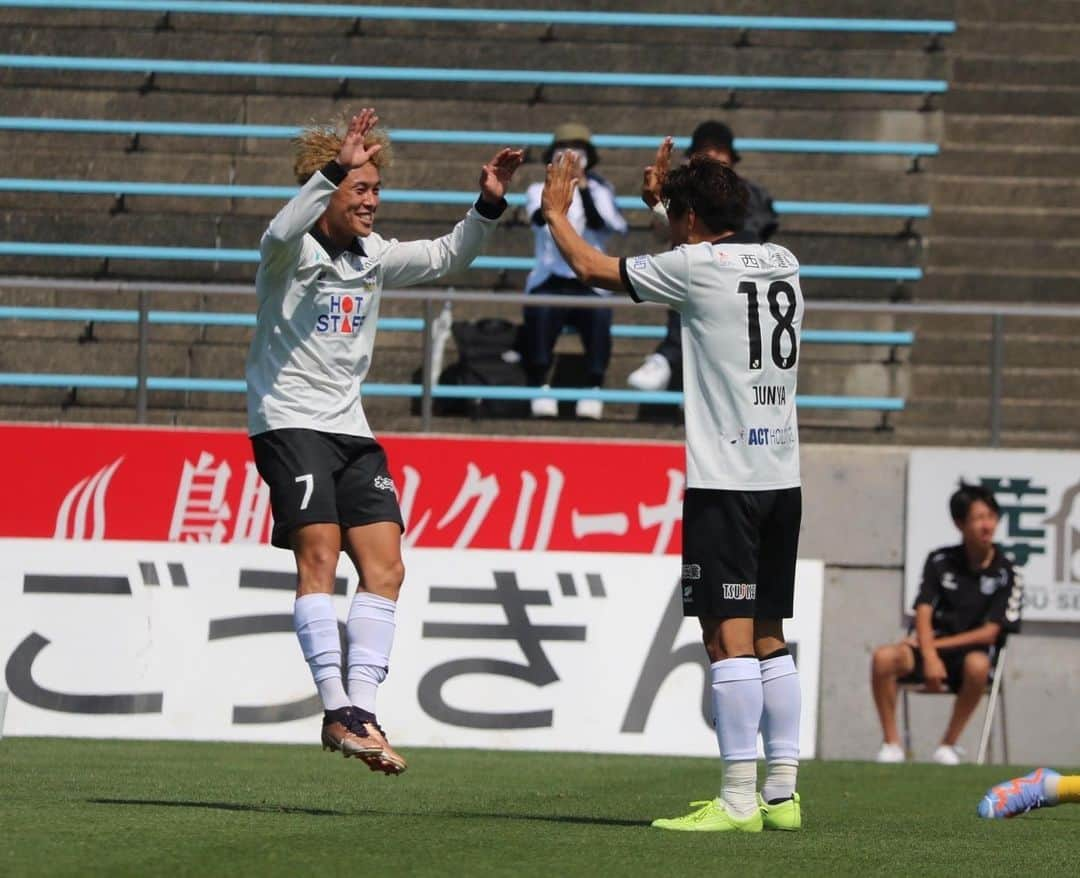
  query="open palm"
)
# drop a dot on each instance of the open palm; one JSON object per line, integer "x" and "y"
{"x": 496, "y": 175}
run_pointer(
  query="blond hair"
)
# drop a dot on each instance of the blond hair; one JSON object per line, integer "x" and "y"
{"x": 318, "y": 144}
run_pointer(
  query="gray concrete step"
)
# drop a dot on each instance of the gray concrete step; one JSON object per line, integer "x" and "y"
{"x": 420, "y": 110}
{"x": 474, "y": 49}
{"x": 1021, "y": 350}
{"x": 974, "y": 382}
{"x": 1003, "y": 99}
{"x": 1017, "y": 414}
{"x": 994, "y": 38}
{"x": 1011, "y": 130}
{"x": 997, "y": 284}
{"x": 1022, "y": 160}
{"x": 992, "y": 222}
{"x": 1011, "y": 192}
{"x": 1053, "y": 254}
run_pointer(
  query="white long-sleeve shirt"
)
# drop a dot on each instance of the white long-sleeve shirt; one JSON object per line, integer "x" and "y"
{"x": 318, "y": 307}
{"x": 549, "y": 260}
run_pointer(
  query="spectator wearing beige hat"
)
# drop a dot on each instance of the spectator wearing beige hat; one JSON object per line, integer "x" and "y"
{"x": 596, "y": 218}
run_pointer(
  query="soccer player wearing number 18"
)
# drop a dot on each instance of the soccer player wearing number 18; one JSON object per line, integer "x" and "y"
{"x": 741, "y": 310}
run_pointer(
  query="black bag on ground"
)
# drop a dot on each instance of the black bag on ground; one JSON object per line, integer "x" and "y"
{"x": 488, "y": 354}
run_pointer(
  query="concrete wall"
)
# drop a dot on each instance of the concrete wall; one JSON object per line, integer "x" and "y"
{"x": 853, "y": 518}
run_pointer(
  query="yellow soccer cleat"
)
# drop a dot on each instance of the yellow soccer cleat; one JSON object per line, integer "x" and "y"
{"x": 786, "y": 815}
{"x": 711, "y": 816}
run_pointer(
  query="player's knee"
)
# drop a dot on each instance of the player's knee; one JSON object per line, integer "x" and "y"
{"x": 977, "y": 667}
{"x": 884, "y": 661}
{"x": 385, "y": 579}
{"x": 316, "y": 567}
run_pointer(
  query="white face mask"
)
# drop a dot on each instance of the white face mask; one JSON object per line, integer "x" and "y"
{"x": 578, "y": 154}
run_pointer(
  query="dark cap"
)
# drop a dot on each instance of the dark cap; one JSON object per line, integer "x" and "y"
{"x": 715, "y": 134}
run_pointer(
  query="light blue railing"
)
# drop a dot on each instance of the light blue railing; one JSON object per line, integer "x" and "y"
{"x": 896, "y": 274}
{"x": 505, "y": 16}
{"x": 130, "y": 127}
{"x": 407, "y": 196}
{"x": 148, "y": 66}
{"x": 399, "y": 324}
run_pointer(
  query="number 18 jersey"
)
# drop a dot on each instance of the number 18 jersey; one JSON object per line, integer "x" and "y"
{"x": 742, "y": 312}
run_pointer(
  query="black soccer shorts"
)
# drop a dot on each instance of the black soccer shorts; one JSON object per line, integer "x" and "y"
{"x": 953, "y": 659}
{"x": 318, "y": 478}
{"x": 739, "y": 551}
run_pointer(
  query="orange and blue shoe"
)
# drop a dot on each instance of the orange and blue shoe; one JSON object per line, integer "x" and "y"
{"x": 1017, "y": 796}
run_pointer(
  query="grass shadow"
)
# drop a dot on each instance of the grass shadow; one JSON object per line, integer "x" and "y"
{"x": 326, "y": 812}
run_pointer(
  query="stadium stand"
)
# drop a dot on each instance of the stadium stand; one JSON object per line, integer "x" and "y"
{"x": 823, "y": 147}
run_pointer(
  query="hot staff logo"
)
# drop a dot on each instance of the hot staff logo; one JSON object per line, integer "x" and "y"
{"x": 343, "y": 316}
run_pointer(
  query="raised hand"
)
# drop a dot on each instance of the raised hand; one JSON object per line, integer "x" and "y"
{"x": 559, "y": 185}
{"x": 656, "y": 173}
{"x": 495, "y": 176}
{"x": 353, "y": 153}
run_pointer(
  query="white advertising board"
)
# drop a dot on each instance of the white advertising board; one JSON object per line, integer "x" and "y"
{"x": 494, "y": 649}
{"x": 1039, "y": 495}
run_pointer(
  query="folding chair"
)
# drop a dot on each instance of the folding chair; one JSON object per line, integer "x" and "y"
{"x": 995, "y": 691}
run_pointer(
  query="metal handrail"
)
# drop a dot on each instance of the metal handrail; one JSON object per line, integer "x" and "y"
{"x": 429, "y": 296}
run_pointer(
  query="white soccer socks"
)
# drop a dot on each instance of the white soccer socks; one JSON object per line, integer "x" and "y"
{"x": 780, "y": 725}
{"x": 737, "y": 704}
{"x": 371, "y": 636}
{"x": 316, "y": 628}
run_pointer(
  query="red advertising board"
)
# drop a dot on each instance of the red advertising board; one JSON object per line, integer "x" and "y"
{"x": 124, "y": 483}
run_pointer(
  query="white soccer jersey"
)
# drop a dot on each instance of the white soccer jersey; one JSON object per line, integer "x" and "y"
{"x": 742, "y": 312}
{"x": 317, "y": 310}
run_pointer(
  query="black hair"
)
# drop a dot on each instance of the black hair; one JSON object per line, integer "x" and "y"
{"x": 711, "y": 189}
{"x": 716, "y": 135}
{"x": 961, "y": 501}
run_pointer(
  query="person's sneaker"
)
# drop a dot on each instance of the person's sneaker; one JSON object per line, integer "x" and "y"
{"x": 387, "y": 760}
{"x": 890, "y": 753}
{"x": 785, "y": 815}
{"x": 653, "y": 374}
{"x": 1017, "y": 796}
{"x": 946, "y": 755}
{"x": 340, "y": 734}
{"x": 544, "y": 406}
{"x": 590, "y": 409}
{"x": 711, "y": 816}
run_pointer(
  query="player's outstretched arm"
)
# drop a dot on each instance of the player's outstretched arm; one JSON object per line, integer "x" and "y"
{"x": 590, "y": 265}
{"x": 417, "y": 262}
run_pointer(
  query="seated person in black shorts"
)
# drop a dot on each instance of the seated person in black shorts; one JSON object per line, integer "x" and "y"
{"x": 969, "y": 599}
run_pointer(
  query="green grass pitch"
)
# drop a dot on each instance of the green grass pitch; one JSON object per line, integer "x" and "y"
{"x": 71, "y": 807}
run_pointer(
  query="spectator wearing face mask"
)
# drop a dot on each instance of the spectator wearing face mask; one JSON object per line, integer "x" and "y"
{"x": 596, "y": 218}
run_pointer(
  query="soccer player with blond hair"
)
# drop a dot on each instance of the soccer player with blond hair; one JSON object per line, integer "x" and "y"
{"x": 321, "y": 273}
